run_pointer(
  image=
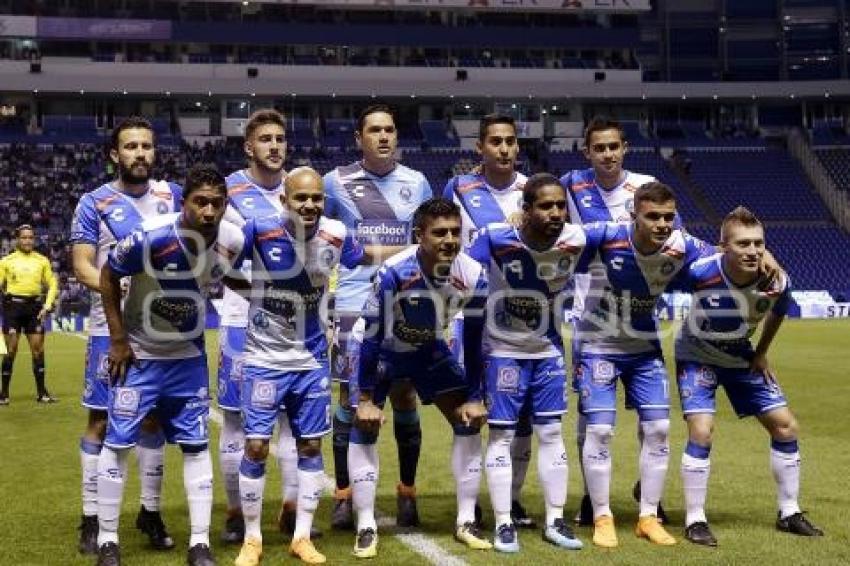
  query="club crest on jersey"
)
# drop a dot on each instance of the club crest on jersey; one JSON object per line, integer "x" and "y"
{"x": 406, "y": 193}
{"x": 126, "y": 401}
{"x": 263, "y": 393}
{"x": 102, "y": 372}
{"x": 260, "y": 320}
{"x": 326, "y": 259}
{"x": 667, "y": 268}
{"x": 603, "y": 371}
{"x": 161, "y": 207}
{"x": 762, "y": 305}
{"x": 706, "y": 377}
{"x": 507, "y": 380}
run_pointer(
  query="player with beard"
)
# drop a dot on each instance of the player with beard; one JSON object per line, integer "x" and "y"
{"x": 103, "y": 217}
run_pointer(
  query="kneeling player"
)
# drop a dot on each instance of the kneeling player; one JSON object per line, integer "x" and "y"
{"x": 416, "y": 294}
{"x": 157, "y": 357}
{"x": 528, "y": 268}
{"x": 713, "y": 349}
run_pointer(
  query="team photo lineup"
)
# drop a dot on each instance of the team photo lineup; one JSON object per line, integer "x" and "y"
{"x": 469, "y": 318}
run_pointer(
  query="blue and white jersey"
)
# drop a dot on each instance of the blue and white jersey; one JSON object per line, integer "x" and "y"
{"x": 588, "y": 202}
{"x": 482, "y": 204}
{"x": 289, "y": 278}
{"x": 524, "y": 320}
{"x": 106, "y": 215}
{"x": 408, "y": 310}
{"x": 619, "y": 316}
{"x": 247, "y": 200}
{"x": 165, "y": 308}
{"x": 378, "y": 210}
{"x": 723, "y": 316}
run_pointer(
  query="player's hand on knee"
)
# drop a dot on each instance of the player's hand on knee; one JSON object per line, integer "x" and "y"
{"x": 120, "y": 357}
{"x": 473, "y": 414}
{"x": 369, "y": 416}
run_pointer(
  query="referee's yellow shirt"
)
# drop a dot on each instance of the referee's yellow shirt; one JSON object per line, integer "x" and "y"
{"x": 26, "y": 275}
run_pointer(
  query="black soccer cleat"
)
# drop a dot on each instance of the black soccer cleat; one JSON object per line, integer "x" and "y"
{"x": 88, "y": 534}
{"x": 342, "y": 517}
{"x": 4, "y": 400}
{"x": 407, "y": 514}
{"x": 150, "y": 523}
{"x": 46, "y": 399}
{"x": 200, "y": 555}
{"x": 699, "y": 533}
{"x": 661, "y": 515}
{"x": 584, "y": 517}
{"x": 479, "y": 517}
{"x": 797, "y": 524}
{"x": 286, "y": 521}
{"x": 520, "y": 516}
{"x": 109, "y": 555}
{"x": 234, "y": 529}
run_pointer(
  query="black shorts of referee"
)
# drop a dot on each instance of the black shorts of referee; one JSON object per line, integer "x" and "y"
{"x": 20, "y": 315}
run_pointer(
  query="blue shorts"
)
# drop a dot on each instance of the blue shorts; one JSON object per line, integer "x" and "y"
{"x": 643, "y": 375}
{"x": 749, "y": 393}
{"x": 515, "y": 386}
{"x": 345, "y": 351}
{"x": 433, "y": 371}
{"x": 306, "y": 394}
{"x": 231, "y": 342}
{"x": 176, "y": 392}
{"x": 96, "y": 378}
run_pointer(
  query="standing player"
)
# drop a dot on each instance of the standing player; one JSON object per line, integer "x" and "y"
{"x": 286, "y": 352}
{"x": 253, "y": 192}
{"x": 619, "y": 340}
{"x": 103, "y": 217}
{"x": 156, "y": 358}
{"x": 713, "y": 348}
{"x": 24, "y": 275}
{"x": 528, "y": 268}
{"x": 415, "y": 295}
{"x": 494, "y": 195}
{"x": 375, "y": 197}
{"x": 602, "y": 193}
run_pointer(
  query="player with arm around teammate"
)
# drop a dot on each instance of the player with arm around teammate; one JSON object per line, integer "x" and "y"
{"x": 103, "y": 217}
{"x": 731, "y": 298}
{"x": 416, "y": 293}
{"x": 157, "y": 359}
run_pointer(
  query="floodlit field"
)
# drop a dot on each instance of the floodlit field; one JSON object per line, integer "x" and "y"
{"x": 40, "y": 486}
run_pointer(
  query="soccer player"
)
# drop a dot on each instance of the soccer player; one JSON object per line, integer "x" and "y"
{"x": 618, "y": 340}
{"x": 376, "y": 198}
{"x": 494, "y": 195}
{"x": 103, "y": 217}
{"x": 415, "y": 295}
{"x": 24, "y": 276}
{"x": 157, "y": 361}
{"x": 713, "y": 348}
{"x": 286, "y": 351}
{"x": 253, "y": 192}
{"x": 528, "y": 268}
{"x": 602, "y": 193}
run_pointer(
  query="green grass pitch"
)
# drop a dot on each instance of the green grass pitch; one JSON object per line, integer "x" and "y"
{"x": 40, "y": 487}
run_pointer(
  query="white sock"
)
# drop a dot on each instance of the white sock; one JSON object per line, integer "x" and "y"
{"x": 497, "y": 467}
{"x": 231, "y": 447}
{"x": 520, "y": 458}
{"x": 310, "y": 483}
{"x": 786, "y": 472}
{"x": 89, "y": 455}
{"x": 596, "y": 459}
{"x": 363, "y": 471}
{"x": 150, "y": 452}
{"x": 198, "y": 481}
{"x": 581, "y": 433}
{"x": 287, "y": 459}
{"x": 654, "y": 458}
{"x": 252, "y": 483}
{"x": 695, "y": 474}
{"x": 111, "y": 471}
{"x": 466, "y": 467}
{"x": 552, "y": 469}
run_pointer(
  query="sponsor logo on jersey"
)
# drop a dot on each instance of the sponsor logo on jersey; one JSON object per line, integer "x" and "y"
{"x": 383, "y": 232}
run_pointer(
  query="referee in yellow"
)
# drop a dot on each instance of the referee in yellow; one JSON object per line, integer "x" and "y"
{"x": 24, "y": 275}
